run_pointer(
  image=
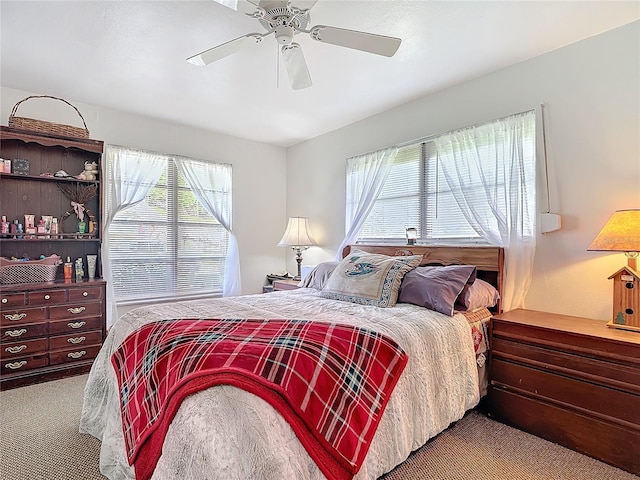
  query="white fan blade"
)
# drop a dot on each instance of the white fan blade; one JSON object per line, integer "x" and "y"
{"x": 304, "y": 4}
{"x": 247, "y": 7}
{"x": 296, "y": 66}
{"x": 216, "y": 53}
{"x": 367, "y": 42}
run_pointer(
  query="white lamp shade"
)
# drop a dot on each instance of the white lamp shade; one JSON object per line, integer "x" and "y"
{"x": 297, "y": 233}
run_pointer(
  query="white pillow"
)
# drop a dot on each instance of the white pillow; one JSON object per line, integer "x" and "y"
{"x": 318, "y": 276}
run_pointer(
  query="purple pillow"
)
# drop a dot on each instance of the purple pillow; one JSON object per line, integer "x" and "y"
{"x": 436, "y": 288}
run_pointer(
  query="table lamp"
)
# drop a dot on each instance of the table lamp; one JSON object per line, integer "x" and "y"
{"x": 298, "y": 237}
{"x": 622, "y": 234}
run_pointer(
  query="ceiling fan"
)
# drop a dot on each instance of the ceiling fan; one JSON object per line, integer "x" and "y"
{"x": 286, "y": 18}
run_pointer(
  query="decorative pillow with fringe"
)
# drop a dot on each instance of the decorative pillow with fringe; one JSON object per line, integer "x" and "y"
{"x": 369, "y": 278}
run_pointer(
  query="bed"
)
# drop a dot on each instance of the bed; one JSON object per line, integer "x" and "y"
{"x": 224, "y": 432}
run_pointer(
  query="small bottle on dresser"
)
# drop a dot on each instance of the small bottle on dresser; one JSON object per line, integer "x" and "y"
{"x": 54, "y": 228}
{"x": 79, "y": 270}
{"x": 68, "y": 270}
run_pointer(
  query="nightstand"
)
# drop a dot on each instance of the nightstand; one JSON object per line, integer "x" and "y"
{"x": 285, "y": 285}
{"x": 570, "y": 380}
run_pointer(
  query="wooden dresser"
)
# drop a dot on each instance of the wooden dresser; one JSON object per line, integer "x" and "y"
{"x": 570, "y": 380}
{"x": 49, "y": 330}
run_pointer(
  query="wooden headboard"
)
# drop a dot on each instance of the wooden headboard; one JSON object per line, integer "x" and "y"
{"x": 488, "y": 260}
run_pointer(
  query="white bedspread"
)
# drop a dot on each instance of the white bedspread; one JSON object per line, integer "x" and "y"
{"x": 228, "y": 434}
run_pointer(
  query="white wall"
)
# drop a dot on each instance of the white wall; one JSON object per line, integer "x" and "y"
{"x": 259, "y": 170}
{"x": 592, "y": 93}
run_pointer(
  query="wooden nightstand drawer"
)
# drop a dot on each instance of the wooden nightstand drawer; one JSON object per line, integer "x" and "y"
{"x": 609, "y": 442}
{"x": 285, "y": 285}
{"x": 602, "y": 371}
{"x": 607, "y": 403}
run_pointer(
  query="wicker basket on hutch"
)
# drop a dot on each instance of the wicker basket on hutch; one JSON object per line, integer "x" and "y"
{"x": 43, "y": 126}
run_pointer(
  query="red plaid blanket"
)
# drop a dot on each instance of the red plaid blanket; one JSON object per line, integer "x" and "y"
{"x": 330, "y": 382}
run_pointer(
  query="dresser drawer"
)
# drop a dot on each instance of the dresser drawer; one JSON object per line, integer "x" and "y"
{"x": 47, "y": 297}
{"x": 74, "y": 325}
{"x": 82, "y": 294}
{"x": 22, "y": 316}
{"x": 76, "y": 340}
{"x": 21, "y": 364}
{"x": 591, "y": 369}
{"x": 604, "y": 344}
{"x": 21, "y": 332}
{"x": 12, "y": 300}
{"x": 23, "y": 348}
{"x": 613, "y": 404}
{"x": 613, "y": 443}
{"x": 74, "y": 355}
{"x": 76, "y": 310}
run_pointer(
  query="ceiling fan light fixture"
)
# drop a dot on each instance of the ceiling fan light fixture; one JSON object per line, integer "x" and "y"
{"x": 286, "y": 18}
{"x": 284, "y": 34}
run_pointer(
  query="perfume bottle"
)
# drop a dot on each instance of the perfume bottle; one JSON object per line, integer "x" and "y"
{"x": 68, "y": 270}
{"x": 79, "y": 270}
{"x": 54, "y": 228}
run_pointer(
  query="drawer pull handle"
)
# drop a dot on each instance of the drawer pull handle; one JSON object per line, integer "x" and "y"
{"x": 15, "y": 316}
{"x": 15, "y": 333}
{"x": 47, "y": 297}
{"x": 76, "y": 340}
{"x": 76, "y": 310}
{"x": 76, "y": 355}
{"x": 76, "y": 324}
{"x": 85, "y": 294}
{"x": 16, "y": 365}
{"x": 4, "y": 300}
{"x": 17, "y": 349}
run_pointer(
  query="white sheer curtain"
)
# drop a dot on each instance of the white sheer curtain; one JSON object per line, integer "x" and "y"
{"x": 508, "y": 145}
{"x": 128, "y": 176}
{"x": 211, "y": 184}
{"x": 364, "y": 189}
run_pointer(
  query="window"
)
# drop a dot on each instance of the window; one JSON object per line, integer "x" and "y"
{"x": 167, "y": 245}
{"x": 418, "y": 194}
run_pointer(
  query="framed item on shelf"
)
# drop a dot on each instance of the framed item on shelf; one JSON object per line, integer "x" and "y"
{"x": 20, "y": 166}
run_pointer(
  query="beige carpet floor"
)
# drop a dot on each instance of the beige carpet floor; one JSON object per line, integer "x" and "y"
{"x": 39, "y": 440}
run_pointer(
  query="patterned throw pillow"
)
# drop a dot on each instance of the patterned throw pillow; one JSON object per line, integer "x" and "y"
{"x": 369, "y": 278}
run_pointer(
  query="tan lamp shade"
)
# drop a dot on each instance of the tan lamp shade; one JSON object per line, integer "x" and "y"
{"x": 620, "y": 234}
{"x": 297, "y": 233}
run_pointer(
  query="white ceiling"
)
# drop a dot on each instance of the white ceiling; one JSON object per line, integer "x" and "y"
{"x": 130, "y": 56}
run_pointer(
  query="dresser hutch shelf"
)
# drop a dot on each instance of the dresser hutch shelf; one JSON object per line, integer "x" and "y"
{"x": 54, "y": 329}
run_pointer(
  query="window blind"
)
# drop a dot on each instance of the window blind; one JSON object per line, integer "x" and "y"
{"x": 417, "y": 193}
{"x": 167, "y": 246}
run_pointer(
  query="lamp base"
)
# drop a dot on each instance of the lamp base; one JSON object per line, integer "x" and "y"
{"x": 620, "y": 326}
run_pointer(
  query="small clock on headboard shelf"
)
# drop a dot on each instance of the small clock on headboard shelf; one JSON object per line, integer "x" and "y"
{"x": 626, "y": 299}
